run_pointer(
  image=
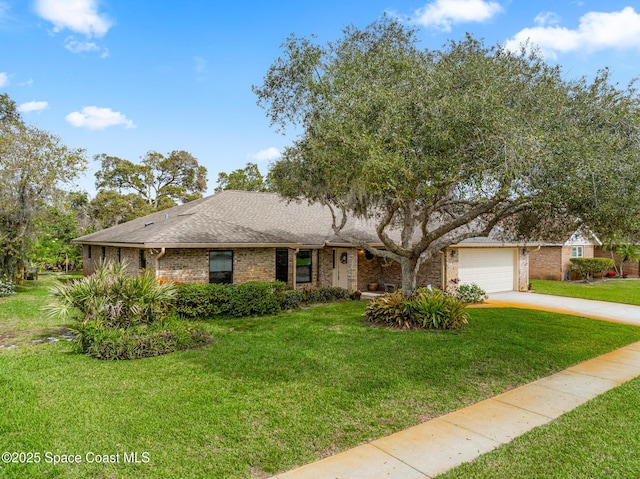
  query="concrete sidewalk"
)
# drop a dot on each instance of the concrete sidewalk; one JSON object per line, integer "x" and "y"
{"x": 435, "y": 446}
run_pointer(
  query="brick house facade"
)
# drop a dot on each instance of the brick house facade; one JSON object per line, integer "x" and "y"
{"x": 553, "y": 261}
{"x": 237, "y": 237}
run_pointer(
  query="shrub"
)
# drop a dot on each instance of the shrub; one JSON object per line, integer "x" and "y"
{"x": 291, "y": 299}
{"x": 436, "y": 310}
{"x": 586, "y": 267}
{"x": 113, "y": 297}
{"x": 209, "y": 300}
{"x": 121, "y": 316}
{"x": 471, "y": 293}
{"x": 390, "y": 309}
{"x": 7, "y": 287}
{"x": 142, "y": 341}
{"x": 203, "y": 300}
{"x": 428, "y": 309}
{"x": 255, "y": 299}
{"x": 325, "y": 294}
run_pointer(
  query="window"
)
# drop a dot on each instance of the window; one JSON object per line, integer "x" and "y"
{"x": 104, "y": 253}
{"x": 89, "y": 253}
{"x": 282, "y": 265}
{"x": 221, "y": 267}
{"x": 303, "y": 266}
{"x": 577, "y": 252}
{"x": 119, "y": 255}
{"x": 143, "y": 260}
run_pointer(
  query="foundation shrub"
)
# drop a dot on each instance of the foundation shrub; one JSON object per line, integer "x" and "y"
{"x": 255, "y": 299}
{"x": 326, "y": 294}
{"x": 291, "y": 299}
{"x": 587, "y": 267}
{"x": 248, "y": 299}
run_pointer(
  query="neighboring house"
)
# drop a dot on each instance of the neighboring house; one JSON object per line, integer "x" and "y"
{"x": 631, "y": 268}
{"x": 240, "y": 236}
{"x": 553, "y": 260}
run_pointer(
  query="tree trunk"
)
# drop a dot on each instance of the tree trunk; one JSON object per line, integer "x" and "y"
{"x": 409, "y": 275}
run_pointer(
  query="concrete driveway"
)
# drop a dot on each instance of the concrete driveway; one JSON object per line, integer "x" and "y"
{"x": 620, "y": 313}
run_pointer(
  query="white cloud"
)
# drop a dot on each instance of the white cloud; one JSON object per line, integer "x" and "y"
{"x": 95, "y": 118}
{"x": 596, "y": 31}
{"x": 442, "y": 14}
{"x": 269, "y": 154}
{"x": 4, "y": 9}
{"x": 547, "y": 18}
{"x": 30, "y": 106}
{"x": 80, "y": 16}
{"x": 75, "y": 46}
{"x": 4, "y": 79}
{"x": 200, "y": 64}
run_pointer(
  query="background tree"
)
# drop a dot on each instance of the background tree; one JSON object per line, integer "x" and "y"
{"x": 110, "y": 208}
{"x": 248, "y": 178}
{"x": 66, "y": 217}
{"x": 161, "y": 181}
{"x": 439, "y": 146}
{"x": 34, "y": 164}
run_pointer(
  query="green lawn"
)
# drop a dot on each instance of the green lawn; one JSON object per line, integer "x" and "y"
{"x": 270, "y": 393}
{"x": 625, "y": 291}
{"x": 598, "y": 440}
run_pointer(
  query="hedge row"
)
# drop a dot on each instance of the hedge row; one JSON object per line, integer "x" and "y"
{"x": 248, "y": 299}
{"x": 589, "y": 266}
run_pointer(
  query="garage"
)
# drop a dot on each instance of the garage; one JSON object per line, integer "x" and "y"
{"x": 493, "y": 269}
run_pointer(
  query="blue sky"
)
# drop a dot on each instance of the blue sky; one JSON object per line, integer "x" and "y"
{"x": 123, "y": 77}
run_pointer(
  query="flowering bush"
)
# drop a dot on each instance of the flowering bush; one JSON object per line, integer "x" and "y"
{"x": 471, "y": 293}
{"x": 7, "y": 287}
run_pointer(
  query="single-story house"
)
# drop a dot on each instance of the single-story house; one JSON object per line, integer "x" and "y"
{"x": 240, "y": 236}
{"x": 553, "y": 260}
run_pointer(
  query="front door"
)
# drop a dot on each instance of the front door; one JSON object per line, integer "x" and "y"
{"x": 341, "y": 267}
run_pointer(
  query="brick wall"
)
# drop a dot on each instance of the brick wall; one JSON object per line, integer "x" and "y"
{"x": 384, "y": 271}
{"x": 254, "y": 264}
{"x": 554, "y": 262}
{"x": 182, "y": 265}
{"x": 130, "y": 255}
{"x": 547, "y": 263}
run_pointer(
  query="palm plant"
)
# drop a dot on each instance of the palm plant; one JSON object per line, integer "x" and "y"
{"x": 628, "y": 252}
{"x": 113, "y": 297}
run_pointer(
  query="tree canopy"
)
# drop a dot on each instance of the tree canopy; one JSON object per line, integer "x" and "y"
{"x": 159, "y": 180}
{"x": 248, "y": 178}
{"x": 440, "y": 146}
{"x": 34, "y": 165}
{"x": 127, "y": 190}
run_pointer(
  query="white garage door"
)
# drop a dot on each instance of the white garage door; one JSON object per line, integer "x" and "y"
{"x": 492, "y": 269}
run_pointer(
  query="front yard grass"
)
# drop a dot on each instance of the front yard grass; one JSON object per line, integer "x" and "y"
{"x": 625, "y": 291}
{"x": 270, "y": 393}
{"x": 598, "y": 440}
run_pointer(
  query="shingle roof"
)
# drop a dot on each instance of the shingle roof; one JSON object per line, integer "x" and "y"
{"x": 230, "y": 218}
{"x": 239, "y": 218}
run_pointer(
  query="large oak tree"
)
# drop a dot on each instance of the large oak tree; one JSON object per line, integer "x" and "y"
{"x": 439, "y": 146}
{"x": 159, "y": 180}
{"x": 128, "y": 190}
